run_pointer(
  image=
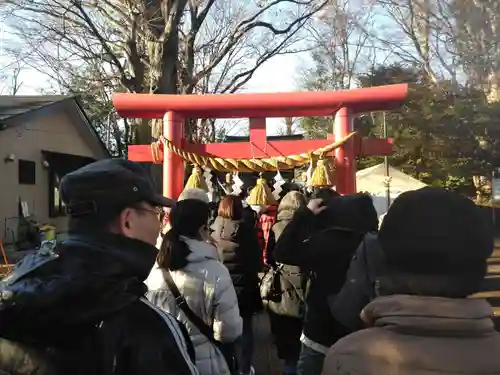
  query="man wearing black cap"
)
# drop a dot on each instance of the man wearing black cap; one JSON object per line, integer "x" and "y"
{"x": 434, "y": 248}
{"x": 78, "y": 308}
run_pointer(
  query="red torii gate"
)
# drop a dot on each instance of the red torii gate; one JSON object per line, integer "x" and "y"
{"x": 257, "y": 107}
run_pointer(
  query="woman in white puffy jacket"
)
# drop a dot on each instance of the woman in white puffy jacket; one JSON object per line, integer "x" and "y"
{"x": 204, "y": 282}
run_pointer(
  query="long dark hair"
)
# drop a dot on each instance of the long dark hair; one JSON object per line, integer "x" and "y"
{"x": 186, "y": 219}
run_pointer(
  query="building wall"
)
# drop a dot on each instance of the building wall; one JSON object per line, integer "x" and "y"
{"x": 50, "y": 132}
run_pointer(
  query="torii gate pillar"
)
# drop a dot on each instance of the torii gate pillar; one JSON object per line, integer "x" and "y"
{"x": 173, "y": 164}
{"x": 345, "y": 157}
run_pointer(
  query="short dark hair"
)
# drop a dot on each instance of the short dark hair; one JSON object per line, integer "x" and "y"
{"x": 231, "y": 207}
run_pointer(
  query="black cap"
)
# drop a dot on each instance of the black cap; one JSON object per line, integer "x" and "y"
{"x": 432, "y": 231}
{"x": 108, "y": 183}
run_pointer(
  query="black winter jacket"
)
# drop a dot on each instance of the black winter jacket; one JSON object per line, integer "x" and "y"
{"x": 79, "y": 309}
{"x": 239, "y": 250}
{"x": 313, "y": 243}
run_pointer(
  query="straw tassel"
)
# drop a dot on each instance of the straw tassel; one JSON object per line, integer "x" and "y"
{"x": 196, "y": 180}
{"x": 323, "y": 174}
{"x": 261, "y": 195}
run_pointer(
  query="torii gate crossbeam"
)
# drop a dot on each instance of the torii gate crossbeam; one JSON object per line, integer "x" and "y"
{"x": 257, "y": 107}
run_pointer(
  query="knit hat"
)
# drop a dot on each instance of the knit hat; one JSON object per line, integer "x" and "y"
{"x": 435, "y": 232}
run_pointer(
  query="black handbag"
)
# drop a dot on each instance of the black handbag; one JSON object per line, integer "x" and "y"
{"x": 227, "y": 350}
{"x": 280, "y": 295}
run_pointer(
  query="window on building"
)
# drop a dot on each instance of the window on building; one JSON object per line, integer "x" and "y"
{"x": 27, "y": 172}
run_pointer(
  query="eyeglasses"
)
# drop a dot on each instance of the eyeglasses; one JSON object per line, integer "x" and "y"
{"x": 157, "y": 211}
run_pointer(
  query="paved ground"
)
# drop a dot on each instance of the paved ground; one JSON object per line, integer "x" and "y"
{"x": 265, "y": 360}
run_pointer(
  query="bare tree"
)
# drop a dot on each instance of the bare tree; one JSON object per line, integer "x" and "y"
{"x": 227, "y": 72}
{"x": 477, "y": 42}
{"x": 341, "y": 49}
{"x": 10, "y": 78}
{"x": 289, "y": 122}
{"x": 419, "y": 35}
{"x": 289, "y": 127}
{"x": 341, "y": 46}
{"x": 156, "y": 46}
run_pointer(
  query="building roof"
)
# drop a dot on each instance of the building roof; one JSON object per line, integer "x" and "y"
{"x": 16, "y": 109}
{"x": 15, "y": 105}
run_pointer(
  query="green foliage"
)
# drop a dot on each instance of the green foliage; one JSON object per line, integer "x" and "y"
{"x": 443, "y": 134}
{"x": 98, "y": 107}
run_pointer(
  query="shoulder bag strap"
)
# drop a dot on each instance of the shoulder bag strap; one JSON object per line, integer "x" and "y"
{"x": 190, "y": 314}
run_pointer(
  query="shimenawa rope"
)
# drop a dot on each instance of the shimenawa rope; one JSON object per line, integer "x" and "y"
{"x": 243, "y": 165}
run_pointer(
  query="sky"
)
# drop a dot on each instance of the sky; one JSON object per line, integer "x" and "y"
{"x": 279, "y": 74}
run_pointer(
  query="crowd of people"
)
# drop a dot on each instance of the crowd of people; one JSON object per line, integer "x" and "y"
{"x": 146, "y": 285}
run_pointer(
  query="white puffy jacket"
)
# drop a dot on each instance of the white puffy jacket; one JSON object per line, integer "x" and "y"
{"x": 207, "y": 287}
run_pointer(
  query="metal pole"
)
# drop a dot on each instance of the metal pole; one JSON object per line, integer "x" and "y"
{"x": 108, "y": 132}
{"x": 386, "y": 164}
